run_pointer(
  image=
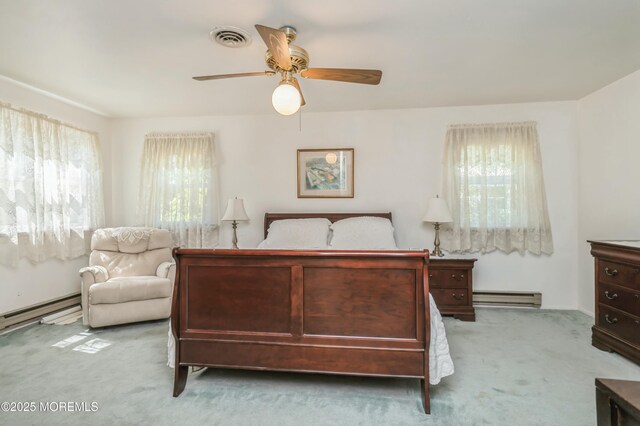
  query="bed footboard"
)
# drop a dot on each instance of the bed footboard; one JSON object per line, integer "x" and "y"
{"x": 338, "y": 312}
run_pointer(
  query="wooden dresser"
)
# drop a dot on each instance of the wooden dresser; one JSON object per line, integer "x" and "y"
{"x": 617, "y": 291}
{"x": 617, "y": 402}
{"x": 451, "y": 285}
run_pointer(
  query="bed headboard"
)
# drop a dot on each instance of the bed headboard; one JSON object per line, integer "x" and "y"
{"x": 270, "y": 217}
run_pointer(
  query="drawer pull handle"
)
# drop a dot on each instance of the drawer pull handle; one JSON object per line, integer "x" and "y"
{"x": 610, "y": 272}
{"x": 610, "y": 321}
{"x": 458, "y": 297}
{"x": 614, "y": 296}
{"x": 457, "y": 277}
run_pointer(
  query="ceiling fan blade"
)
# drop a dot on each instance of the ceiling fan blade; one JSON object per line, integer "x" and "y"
{"x": 242, "y": 74}
{"x": 343, "y": 74}
{"x": 294, "y": 81}
{"x": 276, "y": 41}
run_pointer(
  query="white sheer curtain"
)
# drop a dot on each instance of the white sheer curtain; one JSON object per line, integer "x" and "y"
{"x": 50, "y": 187}
{"x": 178, "y": 189}
{"x": 495, "y": 188}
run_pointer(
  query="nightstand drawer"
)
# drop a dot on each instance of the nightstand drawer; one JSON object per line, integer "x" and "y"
{"x": 619, "y": 298}
{"x": 449, "y": 278}
{"x": 625, "y": 326}
{"x": 450, "y": 296}
{"x": 618, "y": 273}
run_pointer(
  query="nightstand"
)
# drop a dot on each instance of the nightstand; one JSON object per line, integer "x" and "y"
{"x": 451, "y": 285}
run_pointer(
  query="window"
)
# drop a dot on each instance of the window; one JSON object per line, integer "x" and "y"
{"x": 177, "y": 190}
{"x": 50, "y": 187}
{"x": 495, "y": 188}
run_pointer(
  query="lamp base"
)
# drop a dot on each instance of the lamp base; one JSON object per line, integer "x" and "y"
{"x": 436, "y": 242}
{"x": 437, "y": 252}
{"x": 234, "y": 241}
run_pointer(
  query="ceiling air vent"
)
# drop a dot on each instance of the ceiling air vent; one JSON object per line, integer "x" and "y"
{"x": 230, "y": 36}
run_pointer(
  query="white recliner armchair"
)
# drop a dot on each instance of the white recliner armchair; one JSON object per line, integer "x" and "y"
{"x": 129, "y": 278}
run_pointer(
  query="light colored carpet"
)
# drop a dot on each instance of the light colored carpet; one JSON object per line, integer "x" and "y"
{"x": 522, "y": 367}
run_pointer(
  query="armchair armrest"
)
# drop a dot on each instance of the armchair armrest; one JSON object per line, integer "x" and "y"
{"x": 167, "y": 270}
{"x": 90, "y": 276}
{"x": 100, "y": 273}
{"x": 163, "y": 269}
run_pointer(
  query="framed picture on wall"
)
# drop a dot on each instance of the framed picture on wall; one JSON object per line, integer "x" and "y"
{"x": 325, "y": 173}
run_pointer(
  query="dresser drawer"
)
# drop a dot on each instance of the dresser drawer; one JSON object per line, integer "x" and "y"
{"x": 448, "y": 278}
{"x": 617, "y": 322}
{"x": 450, "y": 296}
{"x": 620, "y": 298}
{"x": 618, "y": 273}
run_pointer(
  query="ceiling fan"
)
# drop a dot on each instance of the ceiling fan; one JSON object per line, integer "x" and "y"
{"x": 287, "y": 59}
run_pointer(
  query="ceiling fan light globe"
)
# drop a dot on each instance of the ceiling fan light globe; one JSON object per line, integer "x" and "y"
{"x": 286, "y": 99}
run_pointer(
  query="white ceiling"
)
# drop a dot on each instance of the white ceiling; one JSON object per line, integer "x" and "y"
{"x": 136, "y": 58}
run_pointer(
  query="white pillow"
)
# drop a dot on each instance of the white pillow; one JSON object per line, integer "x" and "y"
{"x": 297, "y": 234}
{"x": 362, "y": 233}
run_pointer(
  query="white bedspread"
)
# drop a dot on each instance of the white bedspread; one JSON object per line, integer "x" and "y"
{"x": 440, "y": 362}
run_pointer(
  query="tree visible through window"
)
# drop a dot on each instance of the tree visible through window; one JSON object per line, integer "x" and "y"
{"x": 177, "y": 190}
{"x": 495, "y": 187}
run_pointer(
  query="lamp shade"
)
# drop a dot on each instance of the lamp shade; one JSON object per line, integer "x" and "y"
{"x": 437, "y": 211}
{"x": 286, "y": 99}
{"x": 235, "y": 211}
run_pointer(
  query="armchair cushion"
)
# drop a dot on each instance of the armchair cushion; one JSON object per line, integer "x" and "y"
{"x": 130, "y": 264}
{"x": 130, "y": 240}
{"x": 129, "y": 289}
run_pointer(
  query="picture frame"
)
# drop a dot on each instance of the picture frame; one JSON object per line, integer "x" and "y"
{"x": 325, "y": 173}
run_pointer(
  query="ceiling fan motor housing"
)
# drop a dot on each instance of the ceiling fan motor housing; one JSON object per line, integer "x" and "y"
{"x": 299, "y": 59}
{"x": 290, "y": 32}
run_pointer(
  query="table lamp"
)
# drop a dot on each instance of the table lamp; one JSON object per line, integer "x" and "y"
{"x": 437, "y": 213}
{"x": 235, "y": 213}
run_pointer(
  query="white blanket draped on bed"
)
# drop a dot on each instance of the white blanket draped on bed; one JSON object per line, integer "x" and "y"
{"x": 440, "y": 362}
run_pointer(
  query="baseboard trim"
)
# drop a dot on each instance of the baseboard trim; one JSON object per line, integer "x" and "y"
{"x": 528, "y": 299}
{"x": 36, "y": 312}
{"x": 589, "y": 313}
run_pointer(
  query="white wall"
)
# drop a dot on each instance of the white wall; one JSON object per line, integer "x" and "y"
{"x": 609, "y": 170}
{"x": 29, "y": 284}
{"x": 398, "y": 167}
{"x": 398, "y": 162}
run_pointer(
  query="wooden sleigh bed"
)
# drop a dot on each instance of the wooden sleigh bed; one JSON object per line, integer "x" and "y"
{"x": 354, "y": 312}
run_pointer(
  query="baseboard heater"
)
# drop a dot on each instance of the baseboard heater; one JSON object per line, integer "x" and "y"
{"x": 508, "y": 298}
{"x": 38, "y": 311}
